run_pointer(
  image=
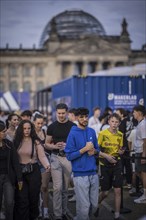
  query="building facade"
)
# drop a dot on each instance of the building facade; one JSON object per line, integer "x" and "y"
{"x": 72, "y": 43}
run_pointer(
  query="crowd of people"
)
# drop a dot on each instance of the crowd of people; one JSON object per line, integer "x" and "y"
{"x": 91, "y": 154}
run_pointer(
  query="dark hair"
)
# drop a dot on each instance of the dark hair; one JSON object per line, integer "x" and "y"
{"x": 114, "y": 115}
{"x": 73, "y": 110}
{"x": 38, "y": 116}
{"x": 19, "y": 133}
{"x": 140, "y": 108}
{"x": 122, "y": 111}
{"x": 104, "y": 116}
{"x": 82, "y": 111}
{"x": 96, "y": 108}
{"x": 26, "y": 113}
{"x": 107, "y": 109}
{"x": 9, "y": 118}
{"x": 62, "y": 106}
{"x": 2, "y": 126}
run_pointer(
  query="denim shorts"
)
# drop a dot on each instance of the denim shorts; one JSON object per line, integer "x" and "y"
{"x": 138, "y": 166}
{"x": 42, "y": 169}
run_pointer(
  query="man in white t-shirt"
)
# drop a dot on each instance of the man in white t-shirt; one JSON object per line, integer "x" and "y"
{"x": 94, "y": 121}
{"x": 131, "y": 140}
{"x": 140, "y": 148}
{"x": 95, "y": 118}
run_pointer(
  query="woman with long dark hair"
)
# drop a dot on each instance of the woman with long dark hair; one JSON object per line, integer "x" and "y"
{"x": 29, "y": 150}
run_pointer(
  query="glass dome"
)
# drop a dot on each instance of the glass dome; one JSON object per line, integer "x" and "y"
{"x": 72, "y": 24}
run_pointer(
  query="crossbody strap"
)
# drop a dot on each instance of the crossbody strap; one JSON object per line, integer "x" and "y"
{"x": 32, "y": 150}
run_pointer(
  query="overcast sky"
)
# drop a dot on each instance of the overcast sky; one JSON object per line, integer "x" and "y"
{"x": 22, "y": 21}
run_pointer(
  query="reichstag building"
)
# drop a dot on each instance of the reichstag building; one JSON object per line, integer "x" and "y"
{"x": 72, "y": 42}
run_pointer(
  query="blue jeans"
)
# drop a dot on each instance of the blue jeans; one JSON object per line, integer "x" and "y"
{"x": 87, "y": 192}
{"x": 7, "y": 192}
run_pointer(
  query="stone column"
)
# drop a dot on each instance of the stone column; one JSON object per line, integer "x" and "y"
{"x": 99, "y": 66}
{"x": 46, "y": 75}
{"x": 73, "y": 68}
{"x": 112, "y": 64}
{"x": 7, "y": 77}
{"x": 85, "y": 68}
{"x": 59, "y": 73}
{"x": 20, "y": 77}
{"x": 33, "y": 78}
{"x": 33, "y": 84}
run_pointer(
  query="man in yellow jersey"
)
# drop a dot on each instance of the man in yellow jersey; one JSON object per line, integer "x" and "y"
{"x": 110, "y": 141}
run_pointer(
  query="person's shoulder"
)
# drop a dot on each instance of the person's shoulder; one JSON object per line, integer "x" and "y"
{"x": 52, "y": 124}
{"x": 74, "y": 128}
{"x": 90, "y": 128}
{"x": 72, "y": 123}
{"x": 143, "y": 122}
{"x": 120, "y": 133}
{"x": 91, "y": 118}
{"x": 8, "y": 141}
{"x": 104, "y": 127}
{"x": 105, "y": 131}
{"x": 141, "y": 125}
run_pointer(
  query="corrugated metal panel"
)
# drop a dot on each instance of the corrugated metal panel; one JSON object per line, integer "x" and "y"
{"x": 62, "y": 89}
{"x": 94, "y": 91}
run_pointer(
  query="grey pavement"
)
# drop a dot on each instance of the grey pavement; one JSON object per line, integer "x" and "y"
{"x": 136, "y": 211}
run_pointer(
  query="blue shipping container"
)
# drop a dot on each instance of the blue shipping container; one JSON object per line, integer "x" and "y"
{"x": 90, "y": 91}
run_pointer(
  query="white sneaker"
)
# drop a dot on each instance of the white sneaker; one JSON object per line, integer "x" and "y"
{"x": 133, "y": 190}
{"x": 46, "y": 216}
{"x": 141, "y": 199}
{"x": 72, "y": 199}
{"x": 40, "y": 214}
{"x": 2, "y": 215}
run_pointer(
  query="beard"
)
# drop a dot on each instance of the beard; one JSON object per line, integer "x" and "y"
{"x": 83, "y": 124}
